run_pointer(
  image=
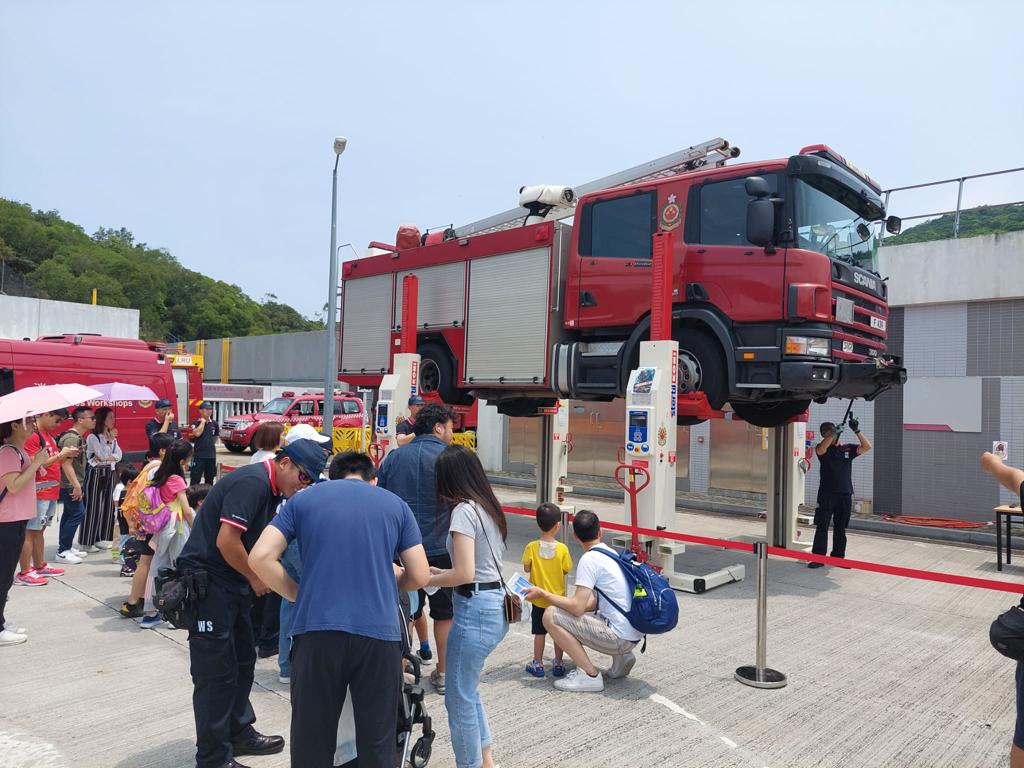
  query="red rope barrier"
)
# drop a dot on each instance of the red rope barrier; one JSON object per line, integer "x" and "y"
{"x": 857, "y": 565}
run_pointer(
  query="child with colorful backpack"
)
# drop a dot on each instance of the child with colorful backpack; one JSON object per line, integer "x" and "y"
{"x": 165, "y": 516}
{"x": 138, "y": 550}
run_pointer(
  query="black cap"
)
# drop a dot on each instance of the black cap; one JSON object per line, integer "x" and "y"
{"x": 309, "y": 455}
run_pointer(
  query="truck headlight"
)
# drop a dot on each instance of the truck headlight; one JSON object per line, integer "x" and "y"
{"x": 807, "y": 345}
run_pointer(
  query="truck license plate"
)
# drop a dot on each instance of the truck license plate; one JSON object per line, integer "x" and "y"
{"x": 878, "y": 323}
{"x": 844, "y": 310}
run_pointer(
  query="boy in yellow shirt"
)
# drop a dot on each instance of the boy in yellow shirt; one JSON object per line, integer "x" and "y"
{"x": 547, "y": 561}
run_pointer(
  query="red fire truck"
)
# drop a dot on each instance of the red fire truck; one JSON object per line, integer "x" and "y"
{"x": 92, "y": 359}
{"x": 777, "y": 297}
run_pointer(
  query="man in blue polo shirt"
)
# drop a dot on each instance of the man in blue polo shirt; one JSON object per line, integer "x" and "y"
{"x": 346, "y": 630}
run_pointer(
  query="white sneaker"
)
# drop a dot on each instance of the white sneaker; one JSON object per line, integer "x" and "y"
{"x": 93, "y": 549}
{"x": 69, "y": 556}
{"x": 11, "y": 638}
{"x": 12, "y": 627}
{"x": 105, "y": 544}
{"x": 580, "y": 682}
{"x": 284, "y": 680}
{"x": 621, "y": 666}
{"x": 78, "y": 552}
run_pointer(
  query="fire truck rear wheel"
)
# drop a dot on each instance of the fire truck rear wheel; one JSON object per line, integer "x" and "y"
{"x": 437, "y": 374}
{"x": 773, "y": 414}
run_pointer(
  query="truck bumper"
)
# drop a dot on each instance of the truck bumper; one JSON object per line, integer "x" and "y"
{"x": 842, "y": 380}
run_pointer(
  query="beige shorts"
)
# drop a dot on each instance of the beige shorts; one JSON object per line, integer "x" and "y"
{"x": 593, "y": 632}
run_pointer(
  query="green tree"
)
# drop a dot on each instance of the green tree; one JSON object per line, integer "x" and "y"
{"x": 62, "y": 262}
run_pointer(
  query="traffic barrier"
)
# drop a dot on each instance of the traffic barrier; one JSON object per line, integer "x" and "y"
{"x": 759, "y": 675}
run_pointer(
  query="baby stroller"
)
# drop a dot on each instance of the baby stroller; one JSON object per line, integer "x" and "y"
{"x": 411, "y": 710}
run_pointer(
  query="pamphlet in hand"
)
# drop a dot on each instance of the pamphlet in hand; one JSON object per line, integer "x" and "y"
{"x": 518, "y": 584}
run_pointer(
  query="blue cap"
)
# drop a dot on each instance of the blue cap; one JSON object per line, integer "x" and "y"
{"x": 206, "y": 404}
{"x": 309, "y": 455}
{"x": 163, "y": 404}
{"x": 417, "y": 400}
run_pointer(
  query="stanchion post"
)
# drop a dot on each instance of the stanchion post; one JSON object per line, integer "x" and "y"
{"x": 759, "y": 675}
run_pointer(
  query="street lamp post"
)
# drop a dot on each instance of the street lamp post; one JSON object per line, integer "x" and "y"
{"x": 331, "y": 374}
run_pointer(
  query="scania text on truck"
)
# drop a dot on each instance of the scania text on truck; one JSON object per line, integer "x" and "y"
{"x": 777, "y": 299}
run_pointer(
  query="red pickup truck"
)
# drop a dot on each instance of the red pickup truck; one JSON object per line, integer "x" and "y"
{"x": 237, "y": 431}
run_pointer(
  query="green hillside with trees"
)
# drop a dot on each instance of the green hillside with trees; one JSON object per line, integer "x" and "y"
{"x": 58, "y": 260}
{"x": 984, "y": 220}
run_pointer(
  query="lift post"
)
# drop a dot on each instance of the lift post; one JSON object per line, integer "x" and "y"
{"x": 403, "y": 382}
{"x": 652, "y": 398}
{"x": 553, "y": 460}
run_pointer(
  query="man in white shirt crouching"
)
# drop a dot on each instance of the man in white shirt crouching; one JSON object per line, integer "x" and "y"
{"x": 587, "y": 618}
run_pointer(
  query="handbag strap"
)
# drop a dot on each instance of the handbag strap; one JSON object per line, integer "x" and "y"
{"x": 497, "y": 563}
{"x": 21, "y": 458}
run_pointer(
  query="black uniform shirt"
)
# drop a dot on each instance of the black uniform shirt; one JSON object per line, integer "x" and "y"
{"x": 204, "y": 444}
{"x": 245, "y": 499}
{"x": 404, "y": 427}
{"x": 153, "y": 426}
{"x": 836, "y": 469}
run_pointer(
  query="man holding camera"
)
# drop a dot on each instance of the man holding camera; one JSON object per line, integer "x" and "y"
{"x": 835, "y": 489}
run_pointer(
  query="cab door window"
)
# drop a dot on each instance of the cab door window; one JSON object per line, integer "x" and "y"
{"x": 721, "y": 208}
{"x": 619, "y": 228}
{"x": 302, "y": 408}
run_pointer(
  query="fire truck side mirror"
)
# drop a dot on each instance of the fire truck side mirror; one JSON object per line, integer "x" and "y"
{"x": 760, "y": 222}
{"x": 893, "y": 225}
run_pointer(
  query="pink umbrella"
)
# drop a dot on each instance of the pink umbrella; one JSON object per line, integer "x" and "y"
{"x": 118, "y": 390}
{"x": 31, "y": 401}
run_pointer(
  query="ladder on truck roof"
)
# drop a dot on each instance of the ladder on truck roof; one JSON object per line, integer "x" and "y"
{"x": 713, "y": 153}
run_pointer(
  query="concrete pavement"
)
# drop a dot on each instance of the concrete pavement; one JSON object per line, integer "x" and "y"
{"x": 883, "y": 672}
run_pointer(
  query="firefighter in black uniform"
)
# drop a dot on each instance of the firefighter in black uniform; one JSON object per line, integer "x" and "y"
{"x": 835, "y": 490}
{"x": 221, "y": 645}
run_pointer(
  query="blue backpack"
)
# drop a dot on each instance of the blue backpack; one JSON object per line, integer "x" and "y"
{"x": 655, "y": 609}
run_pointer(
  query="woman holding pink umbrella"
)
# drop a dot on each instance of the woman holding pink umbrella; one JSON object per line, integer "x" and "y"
{"x": 17, "y": 507}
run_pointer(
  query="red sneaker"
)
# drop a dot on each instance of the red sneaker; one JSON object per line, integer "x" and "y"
{"x": 48, "y": 570}
{"x": 29, "y": 579}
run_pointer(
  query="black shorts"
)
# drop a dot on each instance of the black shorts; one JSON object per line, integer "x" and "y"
{"x": 148, "y": 550}
{"x": 440, "y": 601}
{"x": 537, "y": 619}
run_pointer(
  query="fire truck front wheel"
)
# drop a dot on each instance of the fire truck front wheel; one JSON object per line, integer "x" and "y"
{"x": 704, "y": 359}
{"x": 234, "y": 447}
{"x": 437, "y": 374}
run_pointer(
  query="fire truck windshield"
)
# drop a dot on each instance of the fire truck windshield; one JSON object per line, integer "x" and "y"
{"x": 277, "y": 406}
{"x": 834, "y": 220}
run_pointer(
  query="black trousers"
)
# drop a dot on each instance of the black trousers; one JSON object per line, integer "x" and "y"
{"x": 266, "y": 622}
{"x": 835, "y": 508}
{"x": 223, "y": 658}
{"x": 203, "y": 471}
{"x": 12, "y": 536}
{"x": 326, "y": 666}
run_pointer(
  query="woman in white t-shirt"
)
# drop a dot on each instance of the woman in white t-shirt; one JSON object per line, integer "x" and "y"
{"x": 476, "y": 543}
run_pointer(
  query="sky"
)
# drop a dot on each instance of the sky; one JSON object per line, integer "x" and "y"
{"x": 206, "y": 127}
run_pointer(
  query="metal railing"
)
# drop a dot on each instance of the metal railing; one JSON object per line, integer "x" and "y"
{"x": 959, "y": 181}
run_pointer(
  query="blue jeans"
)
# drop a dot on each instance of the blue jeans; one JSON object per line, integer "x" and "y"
{"x": 70, "y": 519}
{"x": 477, "y": 628}
{"x": 293, "y": 567}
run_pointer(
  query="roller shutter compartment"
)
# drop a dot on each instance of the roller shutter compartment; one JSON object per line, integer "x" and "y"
{"x": 366, "y": 324}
